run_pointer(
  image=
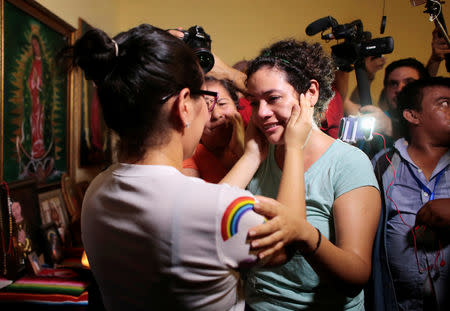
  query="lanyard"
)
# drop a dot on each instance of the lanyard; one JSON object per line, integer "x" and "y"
{"x": 425, "y": 188}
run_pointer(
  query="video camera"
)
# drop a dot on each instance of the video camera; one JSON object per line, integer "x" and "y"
{"x": 351, "y": 54}
{"x": 358, "y": 43}
{"x": 200, "y": 42}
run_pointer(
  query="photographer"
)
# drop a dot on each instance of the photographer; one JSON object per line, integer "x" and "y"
{"x": 358, "y": 52}
{"x": 397, "y": 75}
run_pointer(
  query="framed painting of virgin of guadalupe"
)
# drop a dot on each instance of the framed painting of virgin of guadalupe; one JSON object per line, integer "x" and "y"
{"x": 36, "y": 101}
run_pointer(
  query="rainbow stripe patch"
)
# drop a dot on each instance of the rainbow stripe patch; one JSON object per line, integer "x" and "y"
{"x": 233, "y": 214}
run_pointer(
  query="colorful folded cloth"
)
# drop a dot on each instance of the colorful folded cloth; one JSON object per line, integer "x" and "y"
{"x": 54, "y": 299}
{"x": 51, "y": 286}
{"x": 57, "y": 281}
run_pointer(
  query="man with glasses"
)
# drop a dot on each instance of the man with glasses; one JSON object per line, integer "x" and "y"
{"x": 397, "y": 74}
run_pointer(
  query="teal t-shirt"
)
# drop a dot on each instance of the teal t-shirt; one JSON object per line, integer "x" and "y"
{"x": 295, "y": 285}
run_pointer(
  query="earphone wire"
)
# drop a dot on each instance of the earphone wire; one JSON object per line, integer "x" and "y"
{"x": 403, "y": 221}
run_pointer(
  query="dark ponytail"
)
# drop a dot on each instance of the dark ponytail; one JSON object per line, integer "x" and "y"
{"x": 150, "y": 65}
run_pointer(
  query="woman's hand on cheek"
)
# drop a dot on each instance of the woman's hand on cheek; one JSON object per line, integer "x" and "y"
{"x": 256, "y": 144}
{"x": 299, "y": 124}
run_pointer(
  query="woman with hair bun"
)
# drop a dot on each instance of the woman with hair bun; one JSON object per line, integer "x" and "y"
{"x": 155, "y": 238}
{"x": 332, "y": 255}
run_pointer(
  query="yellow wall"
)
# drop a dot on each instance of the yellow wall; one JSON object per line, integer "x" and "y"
{"x": 240, "y": 28}
{"x": 100, "y": 13}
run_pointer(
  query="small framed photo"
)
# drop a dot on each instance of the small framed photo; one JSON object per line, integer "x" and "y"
{"x": 36, "y": 262}
{"x": 53, "y": 209}
{"x": 72, "y": 197}
{"x": 53, "y": 243}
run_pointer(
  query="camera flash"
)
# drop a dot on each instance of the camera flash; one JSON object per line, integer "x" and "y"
{"x": 367, "y": 123}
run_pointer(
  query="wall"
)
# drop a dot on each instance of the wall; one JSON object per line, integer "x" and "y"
{"x": 239, "y": 29}
{"x": 98, "y": 13}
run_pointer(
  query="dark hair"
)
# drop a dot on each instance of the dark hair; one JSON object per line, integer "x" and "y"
{"x": 411, "y": 96}
{"x": 228, "y": 86}
{"x": 405, "y": 62}
{"x": 150, "y": 65}
{"x": 301, "y": 62}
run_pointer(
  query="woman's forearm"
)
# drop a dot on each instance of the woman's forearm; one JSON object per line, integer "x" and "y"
{"x": 242, "y": 172}
{"x": 292, "y": 185}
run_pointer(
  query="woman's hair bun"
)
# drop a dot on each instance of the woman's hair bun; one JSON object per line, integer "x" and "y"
{"x": 95, "y": 53}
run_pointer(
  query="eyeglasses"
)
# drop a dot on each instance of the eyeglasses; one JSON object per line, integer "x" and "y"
{"x": 210, "y": 98}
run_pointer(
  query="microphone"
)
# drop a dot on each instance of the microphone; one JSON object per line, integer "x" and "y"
{"x": 320, "y": 25}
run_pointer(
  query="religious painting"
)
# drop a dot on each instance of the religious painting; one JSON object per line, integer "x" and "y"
{"x": 36, "y": 98}
{"x": 53, "y": 243}
{"x": 95, "y": 142}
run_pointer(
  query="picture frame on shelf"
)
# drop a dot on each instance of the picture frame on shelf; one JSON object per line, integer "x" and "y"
{"x": 53, "y": 243}
{"x": 53, "y": 209}
{"x": 36, "y": 262}
{"x": 72, "y": 197}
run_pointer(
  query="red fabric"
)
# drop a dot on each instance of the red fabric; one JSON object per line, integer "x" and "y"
{"x": 190, "y": 163}
{"x": 208, "y": 165}
{"x": 44, "y": 298}
{"x": 245, "y": 111}
{"x": 95, "y": 121}
{"x": 333, "y": 116}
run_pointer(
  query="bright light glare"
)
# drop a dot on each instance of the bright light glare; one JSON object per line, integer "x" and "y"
{"x": 367, "y": 123}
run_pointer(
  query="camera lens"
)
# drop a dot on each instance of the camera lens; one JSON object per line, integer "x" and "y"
{"x": 206, "y": 60}
{"x": 200, "y": 43}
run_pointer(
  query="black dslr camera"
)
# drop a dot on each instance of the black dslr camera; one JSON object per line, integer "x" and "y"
{"x": 200, "y": 42}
